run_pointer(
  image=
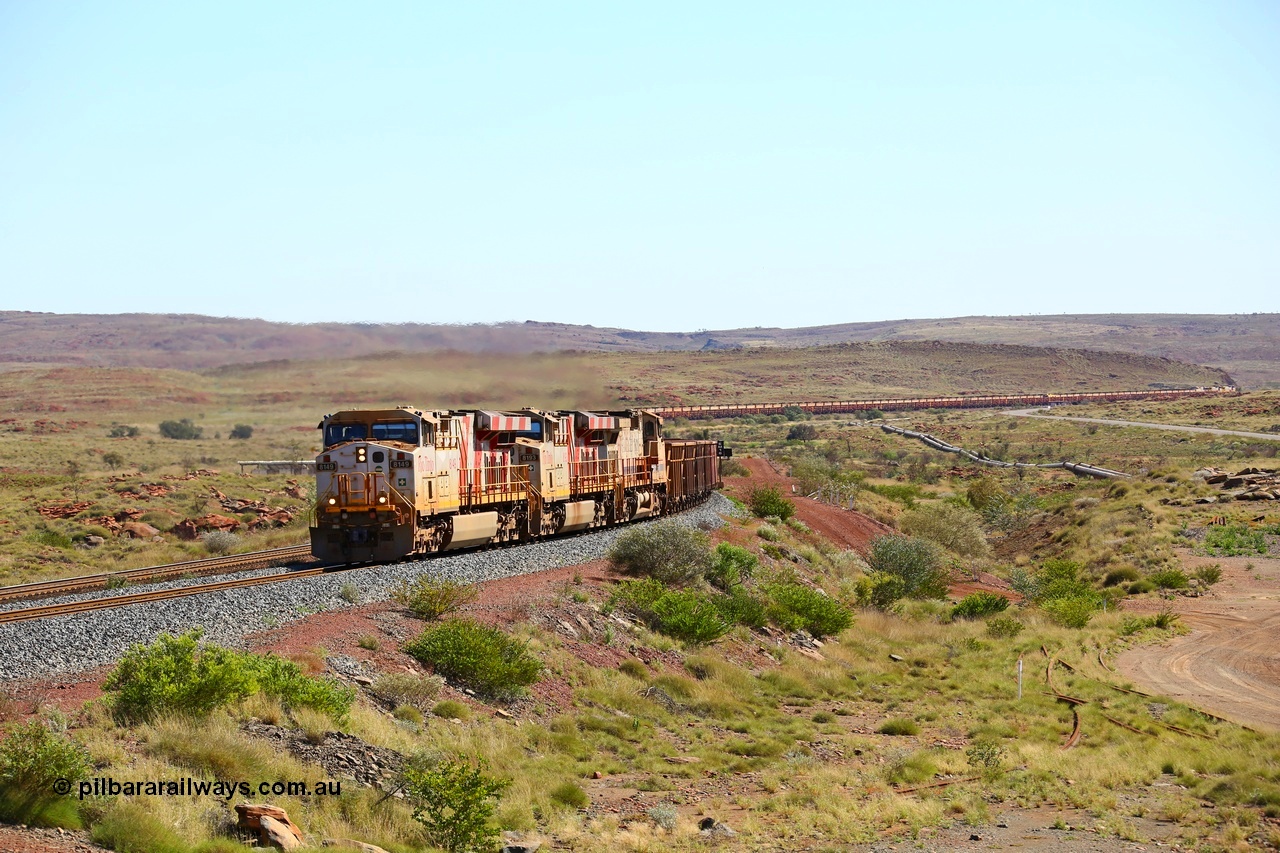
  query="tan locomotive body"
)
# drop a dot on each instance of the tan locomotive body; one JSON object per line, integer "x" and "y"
{"x": 391, "y": 483}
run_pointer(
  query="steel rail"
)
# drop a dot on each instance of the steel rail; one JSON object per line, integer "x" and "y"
{"x": 103, "y": 580}
{"x": 67, "y": 608}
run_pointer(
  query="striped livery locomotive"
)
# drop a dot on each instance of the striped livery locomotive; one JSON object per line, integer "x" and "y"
{"x": 391, "y": 483}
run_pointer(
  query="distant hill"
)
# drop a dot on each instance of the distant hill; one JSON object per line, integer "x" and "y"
{"x": 1246, "y": 346}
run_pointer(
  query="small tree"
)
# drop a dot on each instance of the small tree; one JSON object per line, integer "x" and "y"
{"x": 112, "y": 460}
{"x": 665, "y": 550}
{"x": 916, "y": 561}
{"x": 454, "y": 800}
{"x": 242, "y": 431}
{"x": 183, "y": 429}
{"x": 769, "y": 501}
{"x": 802, "y": 432}
{"x": 955, "y": 528}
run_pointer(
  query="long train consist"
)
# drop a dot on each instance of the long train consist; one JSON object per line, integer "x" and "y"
{"x": 961, "y": 401}
{"x": 391, "y": 483}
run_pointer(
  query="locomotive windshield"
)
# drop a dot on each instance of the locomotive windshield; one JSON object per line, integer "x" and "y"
{"x": 338, "y": 433}
{"x": 405, "y": 431}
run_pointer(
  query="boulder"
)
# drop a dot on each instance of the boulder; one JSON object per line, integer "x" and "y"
{"x": 271, "y": 823}
{"x": 277, "y": 834}
{"x": 138, "y": 530}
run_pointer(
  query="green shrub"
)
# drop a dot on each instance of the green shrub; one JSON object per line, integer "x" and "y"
{"x": 482, "y": 658}
{"x": 570, "y": 794}
{"x": 1115, "y": 577}
{"x": 910, "y": 768}
{"x": 880, "y": 590}
{"x": 369, "y": 642}
{"x": 770, "y": 501}
{"x": 739, "y": 607}
{"x": 903, "y": 493}
{"x": 178, "y": 675}
{"x": 730, "y": 566}
{"x": 802, "y": 432}
{"x": 689, "y": 616}
{"x": 123, "y": 431}
{"x": 794, "y": 605}
{"x": 665, "y": 550}
{"x": 51, "y": 538}
{"x": 1139, "y": 587}
{"x": 451, "y": 709}
{"x": 768, "y": 533}
{"x": 32, "y": 758}
{"x": 1209, "y": 574}
{"x": 1003, "y": 627}
{"x": 408, "y": 714}
{"x": 1234, "y": 540}
{"x": 129, "y": 826}
{"x": 1073, "y": 612}
{"x": 684, "y": 614}
{"x": 406, "y": 688}
{"x": 638, "y": 595}
{"x": 183, "y": 429}
{"x": 733, "y": 468}
{"x": 955, "y": 528}
{"x": 219, "y": 541}
{"x": 979, "y": 604}
{"x": 899, "y": 728}
{"x": 242, "y": 431}
{"x": 454, "y": 801}
{"x": 1169, "y": 579}
{"x": 1164, "y": 620}
{"x": 634, "y": 668}
{"x": 916, "y": 561}
{"x": 430, "y": 598}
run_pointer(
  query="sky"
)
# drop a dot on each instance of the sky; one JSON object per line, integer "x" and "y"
{"x": 660, "y": 166}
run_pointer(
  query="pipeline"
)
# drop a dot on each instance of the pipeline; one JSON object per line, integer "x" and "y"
{"x": 938, "y": 444}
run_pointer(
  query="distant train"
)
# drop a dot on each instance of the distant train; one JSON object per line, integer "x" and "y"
{"x": 959, "y": 401}
{"x": 392, "y": 483}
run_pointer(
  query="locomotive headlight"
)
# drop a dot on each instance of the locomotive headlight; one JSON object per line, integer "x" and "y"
{"x": 333, "y": 501}
{"x": 382, "y": 499}
{"x": 360, "y": 455}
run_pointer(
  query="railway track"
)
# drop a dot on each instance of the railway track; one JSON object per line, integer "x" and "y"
{"x": 67, "y": 608}
{"x": 107, "y": 580}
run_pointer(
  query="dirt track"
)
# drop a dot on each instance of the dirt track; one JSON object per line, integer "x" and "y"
{"x": 847, "y": 528}
{"x": 1229, "y": 664}
{"x": 1031, "y": 413}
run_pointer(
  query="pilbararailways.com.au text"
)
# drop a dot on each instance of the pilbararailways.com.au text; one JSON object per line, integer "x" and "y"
{"x": 188, "y": 787}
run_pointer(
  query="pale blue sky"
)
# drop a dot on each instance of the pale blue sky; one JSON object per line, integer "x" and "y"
{"x": 658, "y": 166}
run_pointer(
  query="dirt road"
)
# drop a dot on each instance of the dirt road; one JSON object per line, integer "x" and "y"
{"x": 1031, "y": 413}
{"x": 1229, "y": 664}
{"x": 843, "y": 527}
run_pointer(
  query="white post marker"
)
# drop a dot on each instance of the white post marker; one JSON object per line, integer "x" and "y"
{"x": 1019, "y": 676}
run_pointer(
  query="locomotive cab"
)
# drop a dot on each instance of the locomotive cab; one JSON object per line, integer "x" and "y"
{"x": 365, "y": 483}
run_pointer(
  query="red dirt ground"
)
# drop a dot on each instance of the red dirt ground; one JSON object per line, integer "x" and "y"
{"x": 843, "y": 527}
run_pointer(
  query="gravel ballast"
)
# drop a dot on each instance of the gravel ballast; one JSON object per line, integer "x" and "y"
{"x": 67, "y": 644}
